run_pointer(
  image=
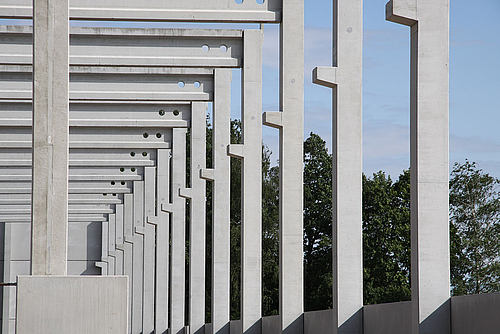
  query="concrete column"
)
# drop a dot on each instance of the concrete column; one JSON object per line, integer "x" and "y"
{"x": 178, "y": 244}
{"x": 251, "y": 178}
{"x": 50, "y": 137}
{"x": 291, "y": 166}
{"x": 221, "y": 201}
{"x": 111, "y": 244}
{"x": 7, "y": 290}
{"x": 429, "y": 106}
{"x": 148, "y": 231}
{"x": 162, "y": 242}
{"x": 196, "y": 193}
{"x": 345, "y": 77}
{"x": 127, "y": 249}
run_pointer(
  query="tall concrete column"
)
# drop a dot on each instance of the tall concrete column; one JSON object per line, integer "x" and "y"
{"x": 251, "y": 183}
{"x": 50, "y": 137}
{"x": 345, "y": 77}
{"x": 290, "y": 122}
{"x": 220, "y": 175}
{"x": 429, "y": 106}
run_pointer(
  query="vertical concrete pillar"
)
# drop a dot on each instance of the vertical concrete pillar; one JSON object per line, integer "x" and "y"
{"x": 50, "y": 137}
{"x": 196, "y": 193}
{"x": 112, "y": 245}
{"x": 345, "y": 77}
{"x": 162, "y": 242}
{"x": 291, "y": 124}
{"x": 219, "y": 174}
{"x": 251, "y": 178}
{"x": 429, "y": 106}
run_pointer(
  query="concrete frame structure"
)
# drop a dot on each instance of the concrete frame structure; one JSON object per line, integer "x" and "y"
{"x": 143, "y": 229}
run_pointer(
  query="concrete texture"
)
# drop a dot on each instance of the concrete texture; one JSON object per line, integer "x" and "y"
{"x": 319, "y": 321}
{"x": 71, "y": 304}
{"x": 391, "y": 318}
{"x": 429, "y": 108}
{"x": 50, "y": 137}
{"x": 251, "y": 178}
{"x": 345, "y": 77}
{"x": 476, "y": 314}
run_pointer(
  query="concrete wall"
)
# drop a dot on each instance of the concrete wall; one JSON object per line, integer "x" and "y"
{"x": 478, "y": 314}
{"x": 391, "y": 318}
{"x": 72, "y": 304}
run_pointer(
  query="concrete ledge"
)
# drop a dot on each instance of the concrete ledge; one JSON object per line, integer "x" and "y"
{"x": 391, "y": 318}
{"x": 72, "y": 304}
{"x": 476, "y": 314}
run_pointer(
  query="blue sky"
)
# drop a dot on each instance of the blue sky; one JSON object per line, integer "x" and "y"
{"x": 474, "y": 82}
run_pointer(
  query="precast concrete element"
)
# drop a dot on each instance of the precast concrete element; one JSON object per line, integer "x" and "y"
{"x": 389, "y": 318}
{"x": 50, "y": 87}
{"x": 475, "y": 313}
{"x": 187, "y": 10}
{"x": 47, "y": 304}
{"x": 219, "y": 175}
{"x": 133, "y": 47}
{"x": 196, "y": 193}
{"x": 178, "y": 232}
{"x": 290, "y": 122}
{"x": 345, "y": 78}
{"x": 251, "y": 178}
{"x": 429, "y": 108}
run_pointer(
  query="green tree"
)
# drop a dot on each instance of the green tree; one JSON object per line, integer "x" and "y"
{"x": 386, "y": 238}
{"x": 317, "y": 224}
{"x": 475, "y": 230}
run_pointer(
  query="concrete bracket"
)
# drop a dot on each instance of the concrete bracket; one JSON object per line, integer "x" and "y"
{"x": 151, "y": 220}
{"x": 185, "y": 193}
{"x": 325, "y": 76}
{"x": 120, "y": 247}
{"x": 236, "y": 151}
{"x": 207, "y": 174}
{"x": 273, "y": 119}
{"x": 402, "y": 12}
{"x": 128, "y": 239}
{"x": 167, "y": 207}
{"x": 100, "y": 264}
{"x": 140, "y": 230}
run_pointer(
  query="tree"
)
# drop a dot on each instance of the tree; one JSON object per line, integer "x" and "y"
{"x": 317, "y": 224}
{"x": 475, "y": 230}
{"x": 386, "y": 238}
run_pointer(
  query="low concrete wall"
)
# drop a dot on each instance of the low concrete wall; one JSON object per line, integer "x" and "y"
{"x": 271, "y": 325}
{"x": 391, "y": 318}
{"x": 72, "y": 304}
{"x": 318, "y": 322}
{"x": 478, "y": 314}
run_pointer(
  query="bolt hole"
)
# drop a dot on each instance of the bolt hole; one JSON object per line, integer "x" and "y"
{"x": 122, "y": 169}
{"x": 105, "y": 194}
{"x": 132, "y": 169}
{"x": 145, "y": 135}
{"x": 223, "y": 48}
{"x": 123, "y": 183}
{"x": 113, "y": 183}
{"x": 132, "y": 154}
{"x": 161, "y": 112}
{"x": 176, "y": 112}
{"x": 181, "y": 84}
{"x": 158, "y": 135}
{"x": 144, "y": 154}
{"x": 205, "y": 48}
{"x": 197, "y": 84}
{"x": 114, "y": 194}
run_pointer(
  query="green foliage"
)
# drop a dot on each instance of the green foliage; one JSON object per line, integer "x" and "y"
{"x": 317, "y": 224}
{"x": 386, "y": 238}
{"x": 474, "y": 230}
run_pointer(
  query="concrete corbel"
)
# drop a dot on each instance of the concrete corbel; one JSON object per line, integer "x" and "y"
{"x": 207, "y": 174}
{"x": 401, "y": 11}
{"x": 236, "y": 151}
{"x": 273, "y": 119}
{"x": 325, "y": 76}
{"x": 120, "y": 247}
{"x": 167, "y": 207}
{"x": 151, "y": 220}
{"x": 140, "y": 230}
{"x": 185, "y": 193}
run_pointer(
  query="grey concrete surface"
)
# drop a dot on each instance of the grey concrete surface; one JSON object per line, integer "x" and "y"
{"x": 319, "y": 321}
{"x": 345, "y": 77}
{"x": 72, "y": 304}
{"x": 476, "y": 314}
{"x": 429, "y": 142}
{"x": 50, "y": 137}
{"x": 390, "y": 318}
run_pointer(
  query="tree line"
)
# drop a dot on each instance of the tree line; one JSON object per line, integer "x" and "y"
{"x": 474, "y": 231}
